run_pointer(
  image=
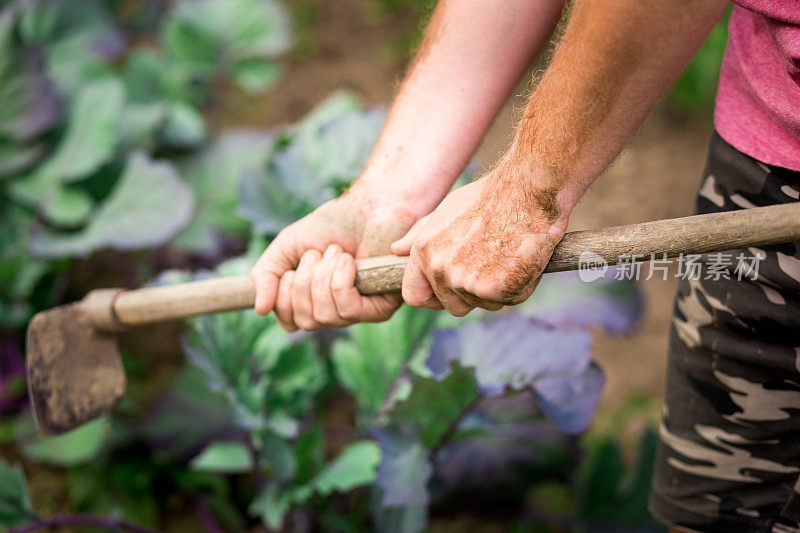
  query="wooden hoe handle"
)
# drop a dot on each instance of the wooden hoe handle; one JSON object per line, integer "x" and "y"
{"x": 697, "y": 234}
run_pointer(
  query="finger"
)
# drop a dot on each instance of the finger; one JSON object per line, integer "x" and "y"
{"x": 324, "y": 308}
{"x": 403, "y": 245}
{"x": 266, "y": 274}
{"x": 351, "y": 306}
{"x": 283, "y": 304}
{"x": 417, "y": 291}
{"x": 452, "y": 302}
{"x": 302, "y": 309}
{"x": 526, "y": 293}
{"x": 474, "y": 301}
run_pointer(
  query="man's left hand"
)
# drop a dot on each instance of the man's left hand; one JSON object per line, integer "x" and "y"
{"x": 486, "y": 245}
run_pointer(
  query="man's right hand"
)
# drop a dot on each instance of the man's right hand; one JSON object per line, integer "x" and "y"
{"x": 307, "y": 274}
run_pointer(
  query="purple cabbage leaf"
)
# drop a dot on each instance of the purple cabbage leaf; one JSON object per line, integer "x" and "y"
{"x": 499, "y": 447}
{"x": 31, "y": 104}
{"x": 563, "y": 299}
{"x": 405, "y": 470}
{"x": 214, "y": 175}
{"x": 515, "y": 352}
{"x": 90, "y": 141}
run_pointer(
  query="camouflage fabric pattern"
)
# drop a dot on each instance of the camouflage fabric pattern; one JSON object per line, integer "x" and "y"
{"x": 729, "y": 456}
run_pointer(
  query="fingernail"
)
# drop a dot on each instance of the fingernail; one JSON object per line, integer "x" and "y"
{"x": 342, "y": 262}
{"x": 331, "y": 249}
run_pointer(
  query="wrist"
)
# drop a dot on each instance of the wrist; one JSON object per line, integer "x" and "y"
{"x": 377, "y": 204}
{"x": 397, "y": 192}
{"x": 543, "y": 194}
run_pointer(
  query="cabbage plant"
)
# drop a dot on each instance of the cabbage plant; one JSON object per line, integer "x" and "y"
{"x": 105, "y": 142}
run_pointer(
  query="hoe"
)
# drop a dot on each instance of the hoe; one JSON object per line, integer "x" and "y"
{"x": 74, "y": 367}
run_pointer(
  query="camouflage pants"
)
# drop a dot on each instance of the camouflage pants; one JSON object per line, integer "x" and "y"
{"x": 729, "y": 457}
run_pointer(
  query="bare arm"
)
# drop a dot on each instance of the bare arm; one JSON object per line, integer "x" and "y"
{"x": 616, "y": 60}
{"x": 472, "y": 56}
{"x": 487, "y": 246}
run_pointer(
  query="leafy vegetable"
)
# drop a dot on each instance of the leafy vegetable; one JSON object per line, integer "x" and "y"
{"x": 405, "y": 471}
{"x": 92, "y": 134}
{"x": 562, "y": 299}
{"x": 187, "y": 417}
{"x": 47, "y": 22}
{"x": 30, "y": 102}
{"x": 75, "y": 447}
{"x": 610, "y": 491}
{"x": 370, "y": 362}
{"x": 312, "y": 163}
{"x": 89, "y": 142}
{"x": 354, "y": 467}
{"x": 12, "y": 375}
{"x": 147, "y": 207}
{"x": 20, "y": 270}
{"x": 514, "y": 352}
{"x": 15, "y": 158}
{"x": 235, "y": 38}
{"x": 215, "y": 175}
{"x": 435, "y": 406}
{"x": 224, "y": 457}
{"x": 15, "y": 503}
{"x": 500, "y": 448}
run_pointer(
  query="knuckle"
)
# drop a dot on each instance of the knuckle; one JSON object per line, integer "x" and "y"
{"x": 319, "y": 277}
{"x": 324, "y": 316}
{"x": 459, "y": 311}
{"x": 487, "y": 293}
{"x": 302, "y": 279}
{"x": 306, "y": 323}
{"x": 436, "y": 263}
{"x": 339, "y": 285}
{"x": 412, "y": 297}
{"x": 511, "y": 298}
{"x": 349, "y": 312}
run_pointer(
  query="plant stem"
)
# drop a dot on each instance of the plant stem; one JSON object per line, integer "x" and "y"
{"x": 255, "y": 456}
{"x": 206, "y": 517}
{"x": 453, "y": 427}
{"x": 62, "y": 520}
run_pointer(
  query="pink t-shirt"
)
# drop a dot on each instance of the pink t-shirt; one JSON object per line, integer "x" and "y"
{"x": 758, "y": 101}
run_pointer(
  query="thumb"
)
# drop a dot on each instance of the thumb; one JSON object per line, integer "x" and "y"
{"x": 403, "y": 245}
{"x": 277, "y": 259}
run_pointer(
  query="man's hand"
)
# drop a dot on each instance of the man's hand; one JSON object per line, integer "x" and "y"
{"x": 307, "y": 273}
{"x": 487, "y": 244}
{"x": 484, "y": 246}
{"x": 470, "y": 60}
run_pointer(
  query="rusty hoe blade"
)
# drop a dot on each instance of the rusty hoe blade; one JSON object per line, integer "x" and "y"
{"x": 74, "y": 370}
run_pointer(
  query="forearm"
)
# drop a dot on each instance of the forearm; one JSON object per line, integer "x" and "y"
{"x": 472, "y": 56}
{"x": 616, "y": 59}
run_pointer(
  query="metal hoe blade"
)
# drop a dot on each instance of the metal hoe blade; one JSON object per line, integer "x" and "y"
{"x": 74, "y": 370}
